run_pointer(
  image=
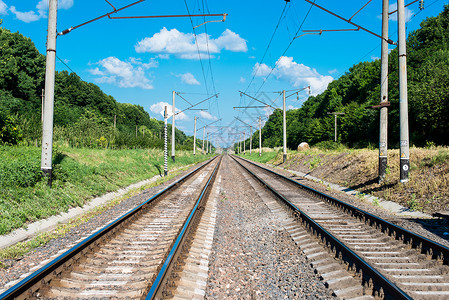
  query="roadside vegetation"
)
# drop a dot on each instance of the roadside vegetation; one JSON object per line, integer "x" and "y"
{"x": 79, "y": 175}
{"x": 427, "y": 189}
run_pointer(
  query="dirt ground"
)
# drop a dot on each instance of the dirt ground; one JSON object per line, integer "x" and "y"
{"x": 427, "y": 189}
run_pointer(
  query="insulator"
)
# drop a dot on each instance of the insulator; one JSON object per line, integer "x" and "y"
{"x": 421, "y": 4}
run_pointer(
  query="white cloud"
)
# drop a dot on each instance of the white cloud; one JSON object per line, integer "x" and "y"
{"x": 27, "y": 17}
{"x": 298, "y": 75}
{"x": 153, "y": 63}
{"x": 261, "y": 70}
{"x": 394, "y": 17}
{"x": 97, "y": 71}
{"x": 206, "y": 115}
{"x": 332, "y": 71}
{"x": 42, "y": 9}
{"x": 121, "y": 73}
{"x": 3, "y": 8}
{"x": 242, "y": 80}
{"x": 188, "y": 78}
{"x": 159, "y": 107}
{"x": 183, "y": 44}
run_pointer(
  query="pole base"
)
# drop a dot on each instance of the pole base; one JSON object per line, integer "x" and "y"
{"x": 173, "y": 158}
{"x": 48, "y": 173}
{"x": 284, "y": 156}
{"x": 405, "y": 167}
{"x": 382, "y": 168}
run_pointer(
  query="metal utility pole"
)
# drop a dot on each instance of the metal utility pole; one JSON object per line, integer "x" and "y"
{"x": 204, "y": 131}
{"x": 194, "y": 138}
{"x": 47, "y": 127}
{"x": 284, "y": 126}
{"x": 173, "y": 130}
{"x": 335, "y": 123}
{"x": 260, "y": 136}
{"x": 403, "y": 102}
{"x": 165, "y": 141}
{"x": 250, "y": 139}
{"x": 383, "y": 129}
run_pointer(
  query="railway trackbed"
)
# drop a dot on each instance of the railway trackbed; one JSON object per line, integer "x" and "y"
{"x": 356, "y": 253}
{"x": 138, "y": 255}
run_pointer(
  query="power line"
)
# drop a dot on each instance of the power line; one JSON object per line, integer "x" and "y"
{"x": 291, "y": 42}
{"x": 268, "y": 46}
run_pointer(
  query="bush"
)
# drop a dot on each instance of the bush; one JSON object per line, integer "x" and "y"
{"x": 9, "y": 132}
{"x": 21, "y": 172}
{"x": 329, "y": 145}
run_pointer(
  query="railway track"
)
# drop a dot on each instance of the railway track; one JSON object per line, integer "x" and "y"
{"x": 139, "y": 255}
{"x": 376, "y": 258}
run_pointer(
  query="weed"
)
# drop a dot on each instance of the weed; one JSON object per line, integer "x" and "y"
{"x": 360, "y": 195}
{"x": 315, "y": 162}
{"x": 376, "y": 201}
{"x": 413, "y": 203}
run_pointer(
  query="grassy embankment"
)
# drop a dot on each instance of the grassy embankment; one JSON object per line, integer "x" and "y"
{"x": 427, "y": 189}
{"x": 79, "y": 175}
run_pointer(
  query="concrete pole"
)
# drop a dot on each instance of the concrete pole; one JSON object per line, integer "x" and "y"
{"x": 47, "y": 126}
{"x": 194, "y": 138}
{"x": 403, "y": 102}
{"x": 173, "y": 130}
{"x": 165, "y": 142}
{"x": 383, "y": 129}
{"x": 335, "y": 128}
{"x": 42, "y": 106}
{"x": 250, "y": 139}
{"x": 284, "y": 124}
{"x": 115, "y": 121}
{"x": 207, "y": 143}
{"x": 260, "y": 136}
{"x": 204, "y": 131}
{"x": 244, "y": 144}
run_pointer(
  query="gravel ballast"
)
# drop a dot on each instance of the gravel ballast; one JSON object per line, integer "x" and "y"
{"x": 253, "y": 257}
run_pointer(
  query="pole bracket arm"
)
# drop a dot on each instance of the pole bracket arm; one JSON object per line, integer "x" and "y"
{"x": 382, "y": 104}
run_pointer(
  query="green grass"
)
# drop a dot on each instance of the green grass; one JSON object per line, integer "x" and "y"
{"x": 18, "y": 250}
{"x": 79, "y": 175}
{"x": 266, "y": 157}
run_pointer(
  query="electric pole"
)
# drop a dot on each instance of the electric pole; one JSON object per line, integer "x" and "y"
{"x": 260, "y": 136}
{"x": 194, "y": 138}
{"x": 173, "y": 130}
{"x": 47, "y": 126}
{"x": 284, "y": 124}
{"x": 250, "y": 139}
{"x": 403, "y": 101}
{"x": 383, "y": 129}
{"x": 165, "y": 141}
{"x": 335, "y": 123}
{"x": 204, "y": 131}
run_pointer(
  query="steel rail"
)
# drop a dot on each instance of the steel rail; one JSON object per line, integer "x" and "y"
{"x": 28, "y": 282}
{"x": 427, "y": 246}
{"x": 162, "y": 275}
{"x": 369, "y": 273}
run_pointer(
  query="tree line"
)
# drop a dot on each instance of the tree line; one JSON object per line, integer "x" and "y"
{"x": 84, "y": 116}
{"x": 359, "y": 88}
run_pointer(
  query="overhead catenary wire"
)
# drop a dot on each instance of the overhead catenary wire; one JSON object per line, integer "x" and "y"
{"x": 268, "y": 46}
{"x": 288, "y": 47}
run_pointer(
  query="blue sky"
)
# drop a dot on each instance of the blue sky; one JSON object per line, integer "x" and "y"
{"x": 141, "y": 61}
